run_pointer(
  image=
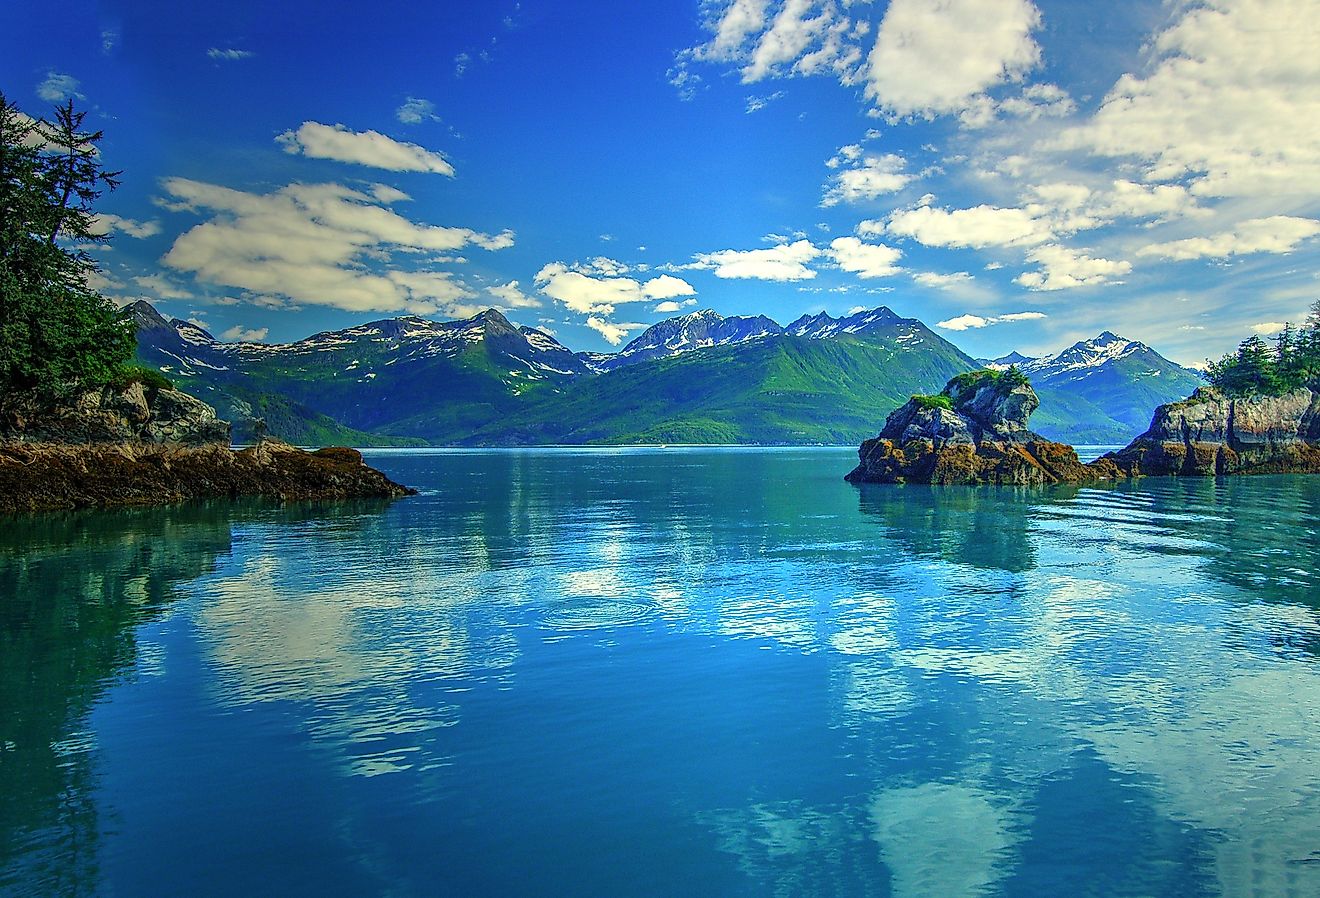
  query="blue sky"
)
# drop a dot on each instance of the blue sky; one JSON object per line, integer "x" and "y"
{"x": 1018, "y": 174}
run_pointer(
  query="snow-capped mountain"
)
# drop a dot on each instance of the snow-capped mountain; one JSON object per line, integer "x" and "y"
{"x": 1003, "y": 363}
{"x": 1082, "y": 359}
{"x": 697, "y": 330}
{"x": 530, "y": 353}
{"x": 1105, "y": 379}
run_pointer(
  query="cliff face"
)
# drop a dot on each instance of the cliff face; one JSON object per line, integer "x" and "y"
{"x": 1210, "y": 433}
{"x": 981, "y": 437}
{"x": 155, "y": 446}
{"x": 132, "y": 413}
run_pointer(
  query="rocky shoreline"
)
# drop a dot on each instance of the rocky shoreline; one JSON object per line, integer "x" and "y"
{"x": 140, "y": 446}
{"x": 975, "y": 432}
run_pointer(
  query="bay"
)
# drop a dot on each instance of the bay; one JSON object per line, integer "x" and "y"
{"x": 661, "y": 671}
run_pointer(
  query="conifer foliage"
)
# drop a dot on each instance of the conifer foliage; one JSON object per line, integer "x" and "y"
{"x": 56, "y": 333}
{"x": 1261, "y": 369}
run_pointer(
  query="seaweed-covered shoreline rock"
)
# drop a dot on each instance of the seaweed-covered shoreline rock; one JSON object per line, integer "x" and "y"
{"x": 1210, "y": 434}
{"x": 975, "y": 431}
{"x": 143, "y": 445}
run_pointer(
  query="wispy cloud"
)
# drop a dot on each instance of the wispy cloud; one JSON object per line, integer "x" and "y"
{"x": 229, "y": 54}
{"x": 246, "y": 334}
{"x": 58, "y": 87}
{"x": 416, "y": 110}
{"x": 369, "y": 148}
{"x": 970, "y": 322}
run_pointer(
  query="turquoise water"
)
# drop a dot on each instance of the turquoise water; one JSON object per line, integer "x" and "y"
{"x": 646, "y": 672}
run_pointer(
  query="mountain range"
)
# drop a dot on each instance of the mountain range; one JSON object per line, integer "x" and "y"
{"x": 698, "y": 378}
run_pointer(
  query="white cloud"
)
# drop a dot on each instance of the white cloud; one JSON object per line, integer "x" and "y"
{"x": 58, "y": 87}
{"x": 1266, "y": 328}
{"x": 163, "y": 287}
{"x": 968, "y": 322}
{"x": 1277, "y": 234}
{"x": 870, "y": 176}
{"x": 741, "y": 20}
{"x": 866, "y": 260}
{"x": 104, "y": 223}
{"x": 317, "y": 244}
{"x": 1063, "y": 268}
{"x": 245, "y": 334}
{"x": 613, "y": 333}
{"x": 582, "y": 292}
{"x": 371, "y": 148}
{"x": 672, "y": 306}
{"x": 416, "y": 110}
{"x": 1231, "y": 101}
{"x": 936, "y": 57}
{"x": 788, "y": 37}
{"x": 804, "y": 37}
{"x": 229, "y": 55}
{"x": 756, "y": 104}
{"x": 786, "y": 262}
{"x": 389, "y": 195}
{"x": 978, "y": 227}
{"x": 941, "y": 281}
{"x": 512, "y": 296}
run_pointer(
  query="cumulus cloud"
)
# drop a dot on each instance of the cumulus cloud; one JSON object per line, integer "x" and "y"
{"x": 790, "y": 34}
{"x": 786, "y": 262}
{"x": 369, "y": 148}
{"x": 1277, "y": 234}
{"x": 672, "y": 306}
{"x": 245, "y": 334}
{"x": 933, "y": 58}
{"x": 756, "y": 104}
{"x": 799, "y": 37}
{"x": 866, "y": 260}
{"x": 1062, "y": 268}
{"x": 613, "y": 333}
{"x": 416, "y": 110}
{"x": 968, "y": 322}
{"x": 1231, "y": 101}
{"x": 977, "y": 227}
{"x": 58, "y": 87}
{"x": 864, "y": 176}
{"x": 512, "y": 297}
{"x": 1266, "y": 328}
{"x": 104, "y": 223}
{"x": 599, "y": 295}
{"x": 317, "y": 244}
{"x": 229, "y": 55}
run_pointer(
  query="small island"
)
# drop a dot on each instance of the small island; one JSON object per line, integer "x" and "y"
{"x": 80, "y": 425}
{"x": 974, "y": 431}
{"x": 1260, "y": 414}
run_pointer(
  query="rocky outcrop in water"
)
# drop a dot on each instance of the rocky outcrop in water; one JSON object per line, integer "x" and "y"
{"x": 136, "y": 412}
{"x": 142, "y": 445}
{"x": 975, "y": 431}
{"x": 1210, "y": 434}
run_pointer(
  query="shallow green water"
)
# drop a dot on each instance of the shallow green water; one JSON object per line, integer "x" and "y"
{"x": 644, "y": 672}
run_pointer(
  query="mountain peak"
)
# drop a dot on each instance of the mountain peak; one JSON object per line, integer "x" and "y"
{"x": 492, "y": 315}
{"x": 816, "y": 327}
{"x": 144, "y": 315}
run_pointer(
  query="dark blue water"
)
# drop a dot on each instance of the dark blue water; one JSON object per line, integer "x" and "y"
{"x": 713, "y": 672}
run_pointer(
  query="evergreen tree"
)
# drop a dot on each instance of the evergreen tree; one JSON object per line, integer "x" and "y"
{"x": 56, "y": 333}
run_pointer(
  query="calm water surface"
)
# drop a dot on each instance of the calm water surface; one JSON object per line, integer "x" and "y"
{"x": 706, "y": 672}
